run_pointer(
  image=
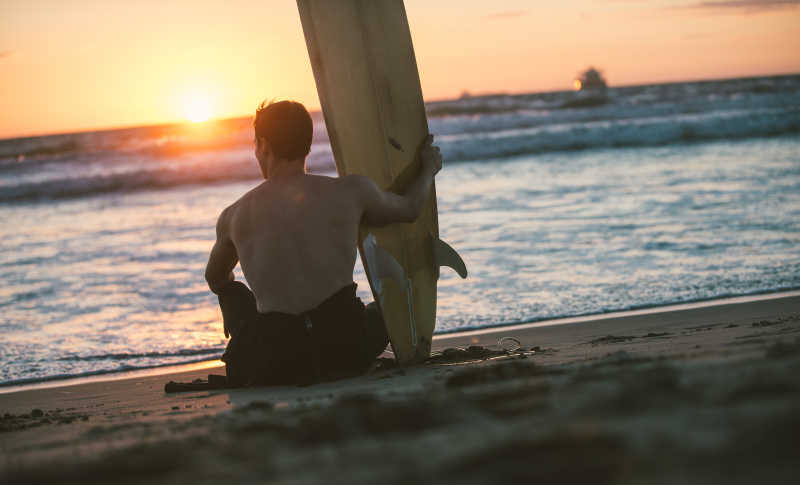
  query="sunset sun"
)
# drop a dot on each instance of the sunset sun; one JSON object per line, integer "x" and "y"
{"x": 197, "y": 107}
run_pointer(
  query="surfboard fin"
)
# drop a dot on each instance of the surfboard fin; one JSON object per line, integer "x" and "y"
{"x": 382, "y": 265}
{"x": 447, "y": 256}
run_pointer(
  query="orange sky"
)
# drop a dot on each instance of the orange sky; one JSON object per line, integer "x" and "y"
{"x": 81, "y": 64}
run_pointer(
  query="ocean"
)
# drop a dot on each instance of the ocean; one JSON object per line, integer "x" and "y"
{"x": 661, "y": 194}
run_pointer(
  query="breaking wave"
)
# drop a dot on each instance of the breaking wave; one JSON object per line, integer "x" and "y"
{"x": 473, "y": 128}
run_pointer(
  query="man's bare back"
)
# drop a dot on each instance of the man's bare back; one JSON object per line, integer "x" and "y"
{"x": 296, "y": 240}
{"x": 296, "y": 234}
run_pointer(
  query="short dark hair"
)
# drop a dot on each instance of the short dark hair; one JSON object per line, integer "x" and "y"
{"x": 287, "y": 127}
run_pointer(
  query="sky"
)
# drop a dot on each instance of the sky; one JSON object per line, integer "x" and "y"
{"x": 72, "y": 65}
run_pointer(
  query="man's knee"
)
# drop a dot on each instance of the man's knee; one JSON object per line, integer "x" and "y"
{"x": 238, "y": 305}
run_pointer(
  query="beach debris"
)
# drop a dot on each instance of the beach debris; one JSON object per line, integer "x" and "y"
{"x": 37, "y": 417}
{"x": 616, "y": 339}
{"x": 458, "y": 355}
{"x": 214, "y": 381}
{"x": 612, "y": 339}
{"x": 474, "y": 353}
{"x": 768, "y": 323}
{"x": 505, "y": 340}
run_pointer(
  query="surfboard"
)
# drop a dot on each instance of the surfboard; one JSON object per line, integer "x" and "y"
{"x": 368, "y": 84}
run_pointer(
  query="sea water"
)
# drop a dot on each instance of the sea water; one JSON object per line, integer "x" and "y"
{"x": 660, "y": 194}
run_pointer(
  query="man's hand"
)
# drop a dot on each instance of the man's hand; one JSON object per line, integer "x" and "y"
{"x": 430, "y": 156}
{"x": 381, "y": 207}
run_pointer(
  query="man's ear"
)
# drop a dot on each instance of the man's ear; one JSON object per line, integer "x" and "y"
{"x": 261, "y": 144}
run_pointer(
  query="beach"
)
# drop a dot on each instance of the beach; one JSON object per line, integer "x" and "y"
{"x": 696, "y": 395}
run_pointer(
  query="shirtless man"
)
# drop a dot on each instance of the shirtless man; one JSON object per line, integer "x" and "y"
{"x": 295, "y": 236}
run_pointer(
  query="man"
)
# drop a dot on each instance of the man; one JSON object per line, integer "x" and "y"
{"x": 295, "y": 236}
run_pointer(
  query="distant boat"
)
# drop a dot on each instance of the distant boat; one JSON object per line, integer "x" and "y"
{"x": 590, "y": 79}
{"x": 590, "y": 90}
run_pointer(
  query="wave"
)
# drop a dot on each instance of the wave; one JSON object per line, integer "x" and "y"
{"x": 462, "y": 146}
{"x": 474, "y": 128}
{"x": 150, "y": 355}
{"x": 156, "y": 141}
{"x": 78, "y": 375}
{"x": 226, "y": 167}
{"x": 32, "y": 147}
{"x": 641, "y": 132}
{"x": 147, "y": 179}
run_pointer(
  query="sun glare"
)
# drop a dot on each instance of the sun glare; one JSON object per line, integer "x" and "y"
{"x": 197, "y": 108}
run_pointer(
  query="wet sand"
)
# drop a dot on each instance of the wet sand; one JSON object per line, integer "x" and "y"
{"x": 692, "y": 396}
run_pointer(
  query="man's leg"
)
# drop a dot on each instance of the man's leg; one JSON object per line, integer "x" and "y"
{"x": 238, "y": 307}
{"x": 376, "y": 336}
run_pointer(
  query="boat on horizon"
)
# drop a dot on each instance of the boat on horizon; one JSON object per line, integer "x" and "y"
{"x": 590, "y": 90}
{"x": 590, "y": 80}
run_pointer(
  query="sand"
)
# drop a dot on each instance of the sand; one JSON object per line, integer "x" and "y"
{"x": 692, "y": 396}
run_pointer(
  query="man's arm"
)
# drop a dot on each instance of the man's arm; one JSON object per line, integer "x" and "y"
{"x": 381, "y": 207}
{"x": 223, "y": 257}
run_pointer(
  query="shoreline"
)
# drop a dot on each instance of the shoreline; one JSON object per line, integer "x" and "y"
{"x": 170, "y": 369}
{"x": 666, "y": 397}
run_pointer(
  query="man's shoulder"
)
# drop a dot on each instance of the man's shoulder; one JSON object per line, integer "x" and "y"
{"x": 224, "y": 219}
{"x": 245, "y": 199}
{"x": 347, "y": 184}
{"x": 359, "y": 188}
{"x": 229, "y": 213}
{"x": 356, "y": 182}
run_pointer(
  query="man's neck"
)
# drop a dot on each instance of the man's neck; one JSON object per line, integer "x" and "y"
{"x": 287, "y": 168}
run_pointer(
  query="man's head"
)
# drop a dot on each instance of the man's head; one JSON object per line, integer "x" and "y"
{"x": 283, "y": 133}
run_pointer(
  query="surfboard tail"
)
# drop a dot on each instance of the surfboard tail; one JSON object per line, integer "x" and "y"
{"x": 384, "y": 267}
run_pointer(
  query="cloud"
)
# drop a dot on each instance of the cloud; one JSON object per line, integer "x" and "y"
{"x": 507, "y": 14}
{"x": 5, "y": 54}
{"x": 748, "y": 6}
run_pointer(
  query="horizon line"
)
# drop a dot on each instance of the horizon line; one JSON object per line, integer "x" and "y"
{"x": 317, "y": 109}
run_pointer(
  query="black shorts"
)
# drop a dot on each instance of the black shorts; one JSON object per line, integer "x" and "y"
{"x": 338, "y": 338}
